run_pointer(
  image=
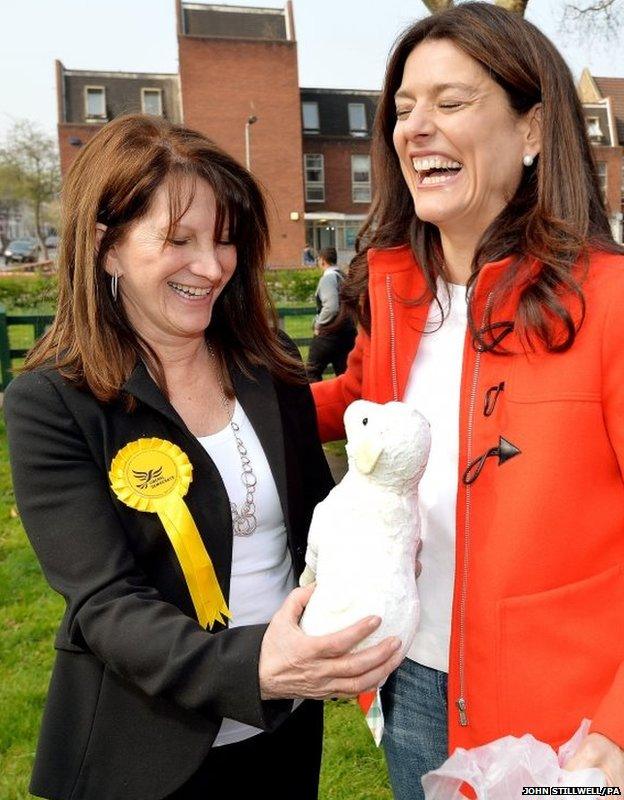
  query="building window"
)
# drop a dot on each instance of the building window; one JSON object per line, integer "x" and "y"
{"x": 314, "y": 178}
{"x": 95, "y": 103}
{"x": 151, "y": 102}
{"x": 357, "y": 119}
{"x": 310, "y": 117}
{"x": 594, "y": 131}
{"x": 602, "y": 178}
{"x": 361, "y": 179}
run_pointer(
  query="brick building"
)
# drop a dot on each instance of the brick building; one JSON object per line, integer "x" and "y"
{"x": 86, "y": 100}
{"x": 603, "y": 105}
{"x": 238, "y": 83}
{"x": 337, "y": 127}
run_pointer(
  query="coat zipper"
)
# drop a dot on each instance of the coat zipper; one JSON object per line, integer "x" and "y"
{"x": 461, "y": 700}
{"x": 393, "y": 358}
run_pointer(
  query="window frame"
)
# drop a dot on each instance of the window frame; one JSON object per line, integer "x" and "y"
{"x": 314, "y": 184}
{"x": 358, "y": 131}
{"x": 602, "y": 173}
{"x": 314, "y": 103}
{"x": 355, "y": 185}
{"x": 594, "y": 122}
{"x": 94, "y": 117}
{"x": 151, "y": 90}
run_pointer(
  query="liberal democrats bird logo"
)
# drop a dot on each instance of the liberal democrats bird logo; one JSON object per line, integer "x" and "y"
{"x": 146, "y": 478}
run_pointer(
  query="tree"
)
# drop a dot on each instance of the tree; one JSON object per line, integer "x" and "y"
{"x": 30, "y": 171}
{"x": 594, "y": 18}
{"x": 597, "y": 14}
{"x": 510, "y": 5}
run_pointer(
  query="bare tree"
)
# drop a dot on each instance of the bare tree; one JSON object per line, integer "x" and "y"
{"x": 602, "y": 13}
{"x": 30, "y": 171}
{"x": 593, "y": 18}
{"x": 511, "y": 5}
{"x": 582, "y": 19}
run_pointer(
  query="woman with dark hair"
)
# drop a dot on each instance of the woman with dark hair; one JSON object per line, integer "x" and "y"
{"x": 490, "y": 296}
{"x": 166, "y": 466}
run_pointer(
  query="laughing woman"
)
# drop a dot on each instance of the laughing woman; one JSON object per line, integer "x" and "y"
{"x": 166, "y": 466}
{"x": 490, "y": 294}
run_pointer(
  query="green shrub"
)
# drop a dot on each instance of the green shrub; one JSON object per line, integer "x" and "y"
{"x": 293, "y": 285}
{"x": 38, "y": 292}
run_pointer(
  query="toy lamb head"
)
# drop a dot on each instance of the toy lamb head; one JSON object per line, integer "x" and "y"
{"x": 388, "y": 443}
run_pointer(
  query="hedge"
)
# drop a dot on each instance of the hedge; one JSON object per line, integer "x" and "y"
{"x": 25, "y": 292}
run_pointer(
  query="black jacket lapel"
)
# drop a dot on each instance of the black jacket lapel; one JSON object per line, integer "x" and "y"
{"x": 141, "y": 385}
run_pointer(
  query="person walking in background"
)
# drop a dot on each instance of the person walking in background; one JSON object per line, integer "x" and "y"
{"x": 334, "y": 329}
{"x": 308, "y": 259}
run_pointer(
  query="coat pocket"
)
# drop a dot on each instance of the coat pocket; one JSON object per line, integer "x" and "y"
{"x": 543, "y": 378}
{"x": 558, "y": 652}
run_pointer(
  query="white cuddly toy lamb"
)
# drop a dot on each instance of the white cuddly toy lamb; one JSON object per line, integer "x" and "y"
{"x": 363, "y": 537}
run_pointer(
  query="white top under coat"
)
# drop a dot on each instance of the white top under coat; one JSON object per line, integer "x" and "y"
{"x": 433, "y": 388}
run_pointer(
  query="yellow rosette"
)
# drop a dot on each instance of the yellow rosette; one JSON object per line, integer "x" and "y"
{"x": 153, "y": 475}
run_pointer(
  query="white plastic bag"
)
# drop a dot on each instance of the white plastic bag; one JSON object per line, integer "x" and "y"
{"x": 499, "y": 770}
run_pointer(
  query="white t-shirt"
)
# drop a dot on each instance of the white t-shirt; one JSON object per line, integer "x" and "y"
{"x": 433, "y": 388}
{"x": 262, "y": 571}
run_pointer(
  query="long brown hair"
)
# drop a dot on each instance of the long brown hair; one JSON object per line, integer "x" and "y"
{"x": 557, "y": 213}
{"x": 113, "y": 181}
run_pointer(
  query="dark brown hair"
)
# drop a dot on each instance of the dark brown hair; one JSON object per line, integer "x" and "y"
{"x": 329, "y": 255}
{"x": 113, "y": 181}
{"x": 557, "y": 213}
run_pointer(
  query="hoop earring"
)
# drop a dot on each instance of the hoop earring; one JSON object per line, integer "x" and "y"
{"x": 528, "y": 160}
{"x": 114, "y": 284}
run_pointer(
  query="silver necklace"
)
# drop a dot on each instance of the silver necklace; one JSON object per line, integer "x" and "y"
{"x": 244, "y": 521}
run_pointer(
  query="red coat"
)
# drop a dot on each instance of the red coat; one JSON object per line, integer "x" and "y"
{"x": 537, "y": 639}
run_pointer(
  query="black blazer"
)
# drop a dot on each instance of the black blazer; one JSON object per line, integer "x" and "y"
{"x": 138, "y": 688}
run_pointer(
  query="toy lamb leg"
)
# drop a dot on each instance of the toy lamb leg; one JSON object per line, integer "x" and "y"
{"x": 363, "y": 536}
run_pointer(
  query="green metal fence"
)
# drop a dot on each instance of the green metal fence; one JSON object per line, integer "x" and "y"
{"x": 39, "y": 323}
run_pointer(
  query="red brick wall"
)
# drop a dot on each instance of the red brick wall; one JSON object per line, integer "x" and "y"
{"x": 68, "y": 152}
{"x": 613, "y": 157}
{"x": 223, "y": 82}
{"x": 337, "y": 159}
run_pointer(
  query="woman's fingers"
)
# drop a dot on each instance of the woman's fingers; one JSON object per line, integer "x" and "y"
{"x": 293, "y": 607}
{"x": 351, "y": 687}
{"x": 338, "y": 644}
{"x": 364, "y": 661}
{"x": 293, "y": 664}
{"x": 597, "y": 750}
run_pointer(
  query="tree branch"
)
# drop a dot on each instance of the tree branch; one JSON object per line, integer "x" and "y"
{"x": 438, "y": 5}
{"x": 601, "y": 5}
{"x": 519, "y": 6}
{"x": 592, "y": 20}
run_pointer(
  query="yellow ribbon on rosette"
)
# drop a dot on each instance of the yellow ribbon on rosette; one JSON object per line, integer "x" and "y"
{"x": 153, "y": 475}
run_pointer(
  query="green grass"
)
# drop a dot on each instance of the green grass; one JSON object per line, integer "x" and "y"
{"x": 353, "y": 767}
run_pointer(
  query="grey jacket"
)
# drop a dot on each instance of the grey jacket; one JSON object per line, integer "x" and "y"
{"x": 328, "y": 296}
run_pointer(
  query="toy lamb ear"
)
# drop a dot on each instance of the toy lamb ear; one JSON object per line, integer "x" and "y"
{"x": 366, "y": 454}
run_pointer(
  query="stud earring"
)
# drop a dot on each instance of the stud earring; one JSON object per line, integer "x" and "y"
{"x": 114, "y": 284}
{"x": 528, "y": 160}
